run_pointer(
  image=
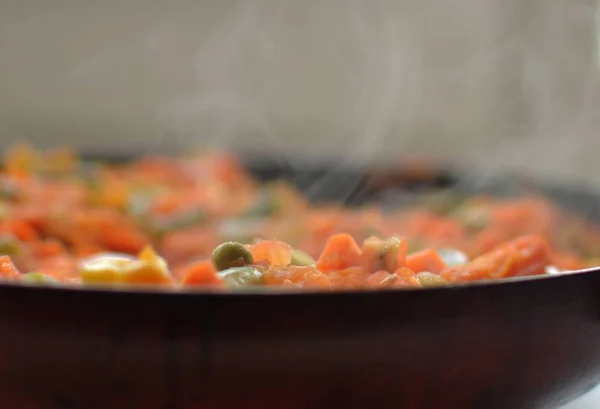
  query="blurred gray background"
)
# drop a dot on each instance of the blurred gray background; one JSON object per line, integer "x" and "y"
{"x": 501, "y": 84}
{"x": 504, "y": 84}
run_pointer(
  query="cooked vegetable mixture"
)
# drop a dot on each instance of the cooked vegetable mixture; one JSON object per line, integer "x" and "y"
{"x": 203, "y": 221}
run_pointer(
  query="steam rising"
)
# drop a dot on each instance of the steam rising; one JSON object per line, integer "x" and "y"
{"x": 471, "y": 81}
{"x": 502, "y": 85}
{"x": 339, "y": 78}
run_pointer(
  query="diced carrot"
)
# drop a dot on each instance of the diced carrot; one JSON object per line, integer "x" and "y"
{"x": 385, "y": 255}
{"x": 21, "y": 229}
{"x": 8, "y": 269}
{"x": 351, "y": 277}
{"x": 488, "y": 239}
{"x": 406, "y": 278}
{"x": 85, "y": 249}
{"x": 425, "y": 260}
{"x": 511, "y": 214}
{"x": 200, "y": 273}
{"x": 278, "y": 276}
{"x": 341, "y": 251}
{"x": 402, "y": 253}
{"x": 566, "y": 261}
{"x": 124, "y": 239}
{"x": 527, "y": 255}
{"x": 303, "y": 276}
{"x": 48, "y": 248}
{"x": 181, "y": 246}
{"x": 59, "y": 267}
{"x": 322, "y": 222}
{"x": 375, "y": 279}
{"x": 277, "y": 253}
{"x": 314, "y": 278}
{"x": 370, "y": 258}
{"x": 34, "y": 214}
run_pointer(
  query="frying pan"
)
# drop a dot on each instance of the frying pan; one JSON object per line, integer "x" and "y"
{"x": 522, "y": 343}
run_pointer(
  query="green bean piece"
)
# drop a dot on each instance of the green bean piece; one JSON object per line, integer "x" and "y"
{"x": 300, "y": 258}
{"x": 427, "y": 279}
{"x": 38, "y": 278}
{"x": 231, "y": 254}
{"x": 389, "y": 254}
{"x": 241, "y": 276}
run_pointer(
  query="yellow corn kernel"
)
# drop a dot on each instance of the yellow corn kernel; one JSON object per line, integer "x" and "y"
{"x": 148, "y": 255}
{"x": 105, "y": 270}
{"x": 143, "y": 272}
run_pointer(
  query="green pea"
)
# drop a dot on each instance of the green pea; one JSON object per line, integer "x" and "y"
{"x": 242, "y": 276}
{"x": 427, "y": 279}
{"x": 300, "y": 258}
{"x": 38, "y": 278}
{"x": 231, "y": 254}
{"x": 9, "y": 244}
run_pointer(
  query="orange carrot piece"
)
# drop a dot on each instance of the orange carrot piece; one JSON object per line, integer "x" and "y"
{"x": 277, "y": 253}
{"x": 341, "y": 251}
{"x": 488, "y": 239}
{"x": 125, "y": 239}
{"x": 351, "y": 277}
{"x": 425, "y": 260}
{"x": 48, "y": 248}
{"x": 303, "y": 276}
{"x": 374, "y": 280}
{"x": 370, "y": 258}
{"x": 200, "y": 273}
{"x": 406, "y": 278}
{"x": 566, "y": 261}
{"x": 377, "y": 254}
{"x": 278, "y": 276}
{"x": 8, "y": 269}
{"x": 314, "y": 278}
{"x": 60, "y": 267}
{"x": 402, "y": 253}
{"x": 21, "y": 229}
{"x": 526, "y": 255}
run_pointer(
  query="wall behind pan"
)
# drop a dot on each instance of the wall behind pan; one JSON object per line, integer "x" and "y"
{"x": 505, "y": 84}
